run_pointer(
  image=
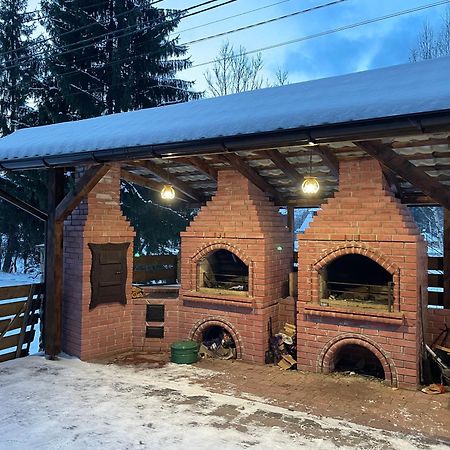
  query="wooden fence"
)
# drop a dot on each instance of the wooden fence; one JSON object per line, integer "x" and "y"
{"x": 19, "y": 313}
{"x": 151, "y": 269}
{"x": 435, "y": 280}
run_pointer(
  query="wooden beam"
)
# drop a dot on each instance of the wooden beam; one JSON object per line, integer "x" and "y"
{"x": 285, "y": 166}
{"x": 201, "y": 165}
{"x": 148, "y": 183}
{"x": 407, "y": 170}
{"x": 82, "y": 187}
{"x": 169, "y": 178}
{"x": 53, "y": 266}
{"x": 328, "y": 157}
{"x": 35, "y": 212}
{"x": 236, "y": 162}
{"x": 392, "y": 182}
{"x": 446, "y": 270}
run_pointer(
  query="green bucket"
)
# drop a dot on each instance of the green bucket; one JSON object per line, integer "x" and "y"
{"x": 184, "y": 352}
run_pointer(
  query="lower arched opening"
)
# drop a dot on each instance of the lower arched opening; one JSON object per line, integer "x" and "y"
{"x": 217, "y": 342}
{"x": 356, "y": 359}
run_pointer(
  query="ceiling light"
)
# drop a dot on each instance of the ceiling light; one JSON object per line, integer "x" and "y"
{"x": 310, "y": 184}
{"x": 167, "y": 192}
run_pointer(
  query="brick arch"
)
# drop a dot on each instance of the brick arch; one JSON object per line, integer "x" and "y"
{"x": 202, "y": 325}
{"x": 359, "y": 249}
{"x": 212, "y": 246}
{"x": 325, "y": 360}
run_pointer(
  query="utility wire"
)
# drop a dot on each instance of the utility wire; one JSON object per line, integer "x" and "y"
{"x": 305, "y": 38}
{"x": 232, "y": 17}
{"x": 111, "y": 34}
{"x": 332, "y": 31}
{"x": 84, "y": 27}
{"x": 195, "y": 41}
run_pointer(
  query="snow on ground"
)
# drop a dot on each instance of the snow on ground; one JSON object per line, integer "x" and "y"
{"x": 68, "y": 404}
{"x": 16, "y": 279}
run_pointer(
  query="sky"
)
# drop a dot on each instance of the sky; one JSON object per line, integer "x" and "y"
{"x": 375, "y": 45}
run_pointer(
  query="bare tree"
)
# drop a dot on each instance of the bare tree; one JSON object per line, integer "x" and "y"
{"x": 235, "y": 71}
{"x": 432, "y": 43}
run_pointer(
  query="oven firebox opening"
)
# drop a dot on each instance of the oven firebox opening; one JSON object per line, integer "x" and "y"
{"x": 356, "y": 281}
{"x": 356, "y": 359}
{"x": 222, "y": 272}
{"x": 217, "y": 343}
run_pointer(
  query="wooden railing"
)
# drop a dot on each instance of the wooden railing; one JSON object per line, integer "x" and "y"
{"x": 19, "y": 313}
{"x": 435, "y": 280}
{"x": 152, "y": 269}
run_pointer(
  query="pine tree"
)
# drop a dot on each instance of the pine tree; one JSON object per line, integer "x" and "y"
{"x": 16, "y": 70}
{"x": 112, "y": 56}
{"x": 18, "y": 232}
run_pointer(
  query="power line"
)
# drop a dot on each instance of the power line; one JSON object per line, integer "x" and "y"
{"x": 265, "y": 22}
{"x": 112, "y": 34}
{"x": 195, "y": 41}
{"x": 334, "y": 30}
{"x": 66, "y": 33}
{"x": 233, "y": 16}
{"x": 309, "y": 37}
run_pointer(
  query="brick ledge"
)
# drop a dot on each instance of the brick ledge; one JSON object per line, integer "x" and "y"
{"x": 202, "y": 297}
{"x": 352, "y": 314}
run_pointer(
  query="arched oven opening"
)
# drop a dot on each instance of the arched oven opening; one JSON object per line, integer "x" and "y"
{"x": 358, "y": 359}
{"x": 216, "y": 342}
{"x": 356, "y": 281}
{"x": 222, "y": 272}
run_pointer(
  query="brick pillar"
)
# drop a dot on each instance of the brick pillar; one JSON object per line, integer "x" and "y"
{"x": 107, "y": 328}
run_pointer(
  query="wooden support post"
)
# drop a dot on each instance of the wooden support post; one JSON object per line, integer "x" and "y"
{"x": 53, "y": 266}
{"x": 446, "y": 258}
{"x": 290, "y": 218}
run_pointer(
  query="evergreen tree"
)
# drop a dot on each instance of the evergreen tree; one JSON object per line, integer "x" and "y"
{"x": 17, "y": 72}
{"x": 19, "y": 233}
{"x": 111, "y": 56}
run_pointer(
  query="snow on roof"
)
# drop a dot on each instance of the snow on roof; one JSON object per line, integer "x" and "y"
{"x": 382, "y": 93}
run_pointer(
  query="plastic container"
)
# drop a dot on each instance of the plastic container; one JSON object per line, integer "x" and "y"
{"x": 184, "y": 352}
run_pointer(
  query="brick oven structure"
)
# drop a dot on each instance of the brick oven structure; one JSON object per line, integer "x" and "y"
{"x": 364, "y": 218}
{"x": 244, "y": 226}
{"x": 106, "y": 329}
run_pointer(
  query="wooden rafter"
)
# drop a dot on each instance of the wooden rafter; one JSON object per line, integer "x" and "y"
{"x": 284, "y": 165}
{"x": 328, "y": 157}
{"x": 393, "y": 182}
{"x": 201, "y": 165}
{"x": 82, "y": 187}
{"x": 168, "y": 177}
{"x": 242, "y": 167}
{"x": 148, "y": 183}
{"x": 407, "y": 170}
{"x": 35, "y": 212}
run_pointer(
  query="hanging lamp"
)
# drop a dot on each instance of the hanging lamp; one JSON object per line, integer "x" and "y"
{"x": 167, "y": 192}
{"x": 310, "y": 185}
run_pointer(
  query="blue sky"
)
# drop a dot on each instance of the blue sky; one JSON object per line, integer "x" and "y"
{"x": 371, "y": 46}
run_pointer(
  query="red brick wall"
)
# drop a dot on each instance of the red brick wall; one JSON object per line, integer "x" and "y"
{"x": 170, "y": 324}
{"x": 107, "y": 328}
{"x": 241, "y": 219}
{"x": 366, "y": 219}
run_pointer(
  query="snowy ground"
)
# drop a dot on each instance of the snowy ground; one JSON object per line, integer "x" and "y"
{"x": 68, "y": 404}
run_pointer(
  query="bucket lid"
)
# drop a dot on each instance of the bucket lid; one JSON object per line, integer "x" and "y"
{"x": 185, "y": 345}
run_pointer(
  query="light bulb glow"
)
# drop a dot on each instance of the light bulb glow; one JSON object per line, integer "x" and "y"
{"x": 167, "y": 192}
{"x": 310, "y": 185}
